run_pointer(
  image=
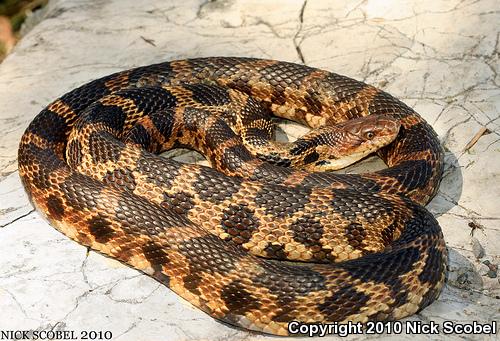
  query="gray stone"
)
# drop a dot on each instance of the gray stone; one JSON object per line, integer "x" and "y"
{"x": 440, "y": 57}
{"x": 477, "y": 249}
{"x": 492, "y": 274}
{"x": 482, "y": 269}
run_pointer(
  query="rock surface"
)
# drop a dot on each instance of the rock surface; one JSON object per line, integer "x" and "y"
{"x": 440, "y": 57}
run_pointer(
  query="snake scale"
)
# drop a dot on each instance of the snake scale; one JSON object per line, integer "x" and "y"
{"x": 88, "y": 164}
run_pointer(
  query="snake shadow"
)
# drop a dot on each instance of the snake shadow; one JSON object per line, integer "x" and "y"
{"x": 464, "y": 287}
{"x": 450, "y": 189}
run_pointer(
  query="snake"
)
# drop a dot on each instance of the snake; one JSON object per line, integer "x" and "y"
{"x": 264, "y": 238}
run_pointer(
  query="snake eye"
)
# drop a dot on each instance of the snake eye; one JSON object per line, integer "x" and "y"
{"x": 369, "y": 135}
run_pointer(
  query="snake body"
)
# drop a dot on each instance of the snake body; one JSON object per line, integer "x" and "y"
{"x": 379, "y": 255}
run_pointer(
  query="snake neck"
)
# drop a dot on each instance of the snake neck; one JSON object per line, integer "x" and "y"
{"x": 305, "y": 152}
{"x": 297, "y": 154}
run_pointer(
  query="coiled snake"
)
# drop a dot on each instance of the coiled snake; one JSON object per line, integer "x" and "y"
{"x": 87, "y": 164}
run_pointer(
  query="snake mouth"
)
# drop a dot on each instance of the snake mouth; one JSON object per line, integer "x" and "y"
{"x": 336, "y": 164}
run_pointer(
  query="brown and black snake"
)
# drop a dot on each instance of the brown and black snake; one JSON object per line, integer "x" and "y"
{"x": 368, "y": 248}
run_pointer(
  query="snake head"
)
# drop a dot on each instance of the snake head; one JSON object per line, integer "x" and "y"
{"x": 343, "y": 144}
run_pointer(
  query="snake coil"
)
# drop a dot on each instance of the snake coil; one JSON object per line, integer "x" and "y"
{"x": 379, "y": 255}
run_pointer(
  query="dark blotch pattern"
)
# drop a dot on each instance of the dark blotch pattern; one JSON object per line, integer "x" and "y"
{"x": 238, "y": 299}
{"x": 212, "y": 187}
{"x": 283, "y": 75}
{"x": 281, "y": 201}
{"x": 74, "y": 151}
{"x": 411, "y": 138}
{"x": 311, "y": 157}
{"x": 156, "y": 255}
{"x": 140, "y": 136}
{"x": 164, "y": 122}
{"x": 388, "y": 233}
{"x": 150, "y": 99}
{"x": 239, "y": 222}
{"x": 195, "y": 118}
{"x": 385, "y": 267}
{"x": 433, "y": 267}
{"x": 275, "y": 159}
{"x": 82, "y": 97}
{"x": 218, "y": 133}
{"x": 121, "y": 178}
{"x": 419, "y": 222}
{"x": 275, "y": 251}
{"x": 257, "y": 137}
{"x": 77, "y": 186}
{"x": 56, "y": 207}
{"x": 355, "y": 234}
{"x": 412, "y": 174}
{"x": 209, "y": 94}
{"x": 151, "y": 75}
{"x": 48, "y": 158}
{"x": 271, "y": 174}
{"x": 344, "y": 302}
{"x": 278, "y": 96}
{"x": 112, "y": 116}
{"x": 361, "y": 183}
{"x": 254, "y": 110}
{"x": 383, "y": 103}
{"x": 399, "y": 291}
{"x": 307, "y": 230}
{"x": 50, "y": 126}
{"x": 192, "y": 281}
{"x": 288, "y": 283}
{"x": 351, "y": 204}
{"x": 313, "y": 102}
{"x": 342, "y": 88}
{"x": 205, "y": 254}
{"x": 101, "y": 229}
{"x": 300, "y": 146}
{"x": 179, "y": 202}
{"x": 356, "y": 181}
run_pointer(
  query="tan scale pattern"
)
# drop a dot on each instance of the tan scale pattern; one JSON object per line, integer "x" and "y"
{"x": 376, "y": 254}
